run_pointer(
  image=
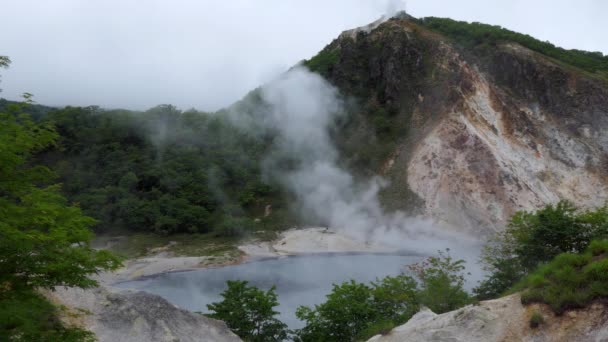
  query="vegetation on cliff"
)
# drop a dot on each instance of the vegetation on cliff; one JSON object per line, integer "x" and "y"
{"x": 249, "y": 312}
{"x": 355, "y": 311}
{"x": 352, "y": 311}
{"x": 477, "y": 35}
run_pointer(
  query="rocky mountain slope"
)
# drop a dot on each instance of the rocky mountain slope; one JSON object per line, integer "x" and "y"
{"x": 503, "y": 319}
{"x": 468, "y": 135}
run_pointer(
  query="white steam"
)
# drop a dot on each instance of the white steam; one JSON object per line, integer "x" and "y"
{"x": 301, "y": 107}
{"x": 395, "y": 6}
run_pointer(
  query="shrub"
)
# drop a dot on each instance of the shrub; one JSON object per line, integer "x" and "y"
{"x": 441, "y": 283}
{"x": 598, "y": 247}
{"x": 536, "y": 319}
{"x": 569, "y": 281}
{"x": 27, "y": 316}
{"x": 535, "y": 238}
{"x": 355, "y": 311}
{"x": 249, "y": 312}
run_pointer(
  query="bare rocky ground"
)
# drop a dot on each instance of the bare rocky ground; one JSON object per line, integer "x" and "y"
{"x": 136, "y": 317}
{"x": 506, "y": 320}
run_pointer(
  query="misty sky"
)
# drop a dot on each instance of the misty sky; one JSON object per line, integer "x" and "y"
{"x": 207, "y": 54}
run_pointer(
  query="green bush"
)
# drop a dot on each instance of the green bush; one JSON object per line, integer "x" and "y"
{"x": 441, "y": 283}
{"x": 27, "y": 316}
{"x": 536, "y": 319}
{"x": 598, "y": 247}
{"x": 249, "y": 312}
{"x": 569, "y": 281}
{"x": 355, "y": 311}
{"x": 535, "y": 238}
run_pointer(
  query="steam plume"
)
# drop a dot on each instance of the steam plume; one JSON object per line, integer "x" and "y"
{"x": 300, "y": 108}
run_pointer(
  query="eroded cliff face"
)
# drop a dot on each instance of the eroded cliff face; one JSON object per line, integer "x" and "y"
{"x": 472, "y": 138}
{"x": 504, "y": 320}
{"x": 494, "y": 152}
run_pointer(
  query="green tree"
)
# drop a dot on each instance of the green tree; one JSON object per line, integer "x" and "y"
{"x": 249, "y": 312}
{"x": 395, "y": 298}
{"x": 44, "y": 241}
{"x": 355, "y": 311}
{"x": 441, "y": 283}
{"x": 348, "y": 310}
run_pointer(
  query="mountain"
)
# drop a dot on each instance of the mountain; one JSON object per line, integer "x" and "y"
{"x": 471, "y": 122}
{"x": 468, "y": 123}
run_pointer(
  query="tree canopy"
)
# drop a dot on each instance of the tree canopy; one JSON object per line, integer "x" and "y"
{"x": 44, "y": 240}
{"x": 249, "y": 312}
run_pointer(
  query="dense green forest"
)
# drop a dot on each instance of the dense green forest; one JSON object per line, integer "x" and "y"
{"x": 163, "y": 170}
{"x": 478, "y": 35}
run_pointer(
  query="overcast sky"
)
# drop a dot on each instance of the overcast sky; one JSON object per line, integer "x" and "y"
{"x": 207, "y": 54}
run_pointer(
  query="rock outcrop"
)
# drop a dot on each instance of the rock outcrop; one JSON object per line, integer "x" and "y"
{"x": 504, "y": 320}
{"x": 129, "y": 316}
{"x": 464, "y": 136}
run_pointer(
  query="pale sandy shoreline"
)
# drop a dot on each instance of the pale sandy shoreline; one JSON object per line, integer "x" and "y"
{"x": 293, "y": 242}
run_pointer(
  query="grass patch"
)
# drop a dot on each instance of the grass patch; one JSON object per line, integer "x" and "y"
{"x": 569, "y": 280}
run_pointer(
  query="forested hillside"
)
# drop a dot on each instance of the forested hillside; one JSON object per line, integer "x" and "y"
{"x": 163, "y": 170}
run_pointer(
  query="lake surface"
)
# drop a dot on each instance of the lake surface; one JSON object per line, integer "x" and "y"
{"x": 300, "y": 280}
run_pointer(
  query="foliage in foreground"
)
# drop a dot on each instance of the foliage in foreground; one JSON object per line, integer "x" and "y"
{"x": 44, "y": 241}
{"x": 535, "y": 238}
{"x": 27, "y": 316}
{"x": 570, "y": 280}
{"x": 355, "y": 311}
{"x": 249, "y": 312}
{"x": 442, "y": 283}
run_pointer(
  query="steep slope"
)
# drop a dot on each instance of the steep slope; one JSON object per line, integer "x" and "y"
{"x": 468, "y": 135}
